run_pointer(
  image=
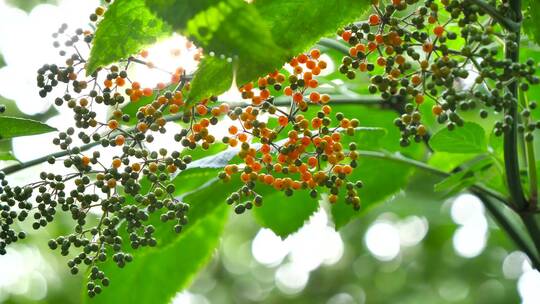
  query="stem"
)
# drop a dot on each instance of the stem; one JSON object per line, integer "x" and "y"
{"x": 508, "y": 23}
{"x": 420, "y": 165}
{"x": 531, "y": 159}
{"x": 512, "y": 231}
{"x": 510, "y": 142}
{"x": 510, "y": 136}
{"x": 334, "y": 44}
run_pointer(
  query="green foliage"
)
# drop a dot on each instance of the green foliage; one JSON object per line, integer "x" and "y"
{"x": 470, "y": 138}
{"x": 373, "y": 171}
{"x": 285, "y": 215}
{"x": 213, "y": 70}
{"x": 154, "y": 277}
{"x": 127, "y": 27}
{"x": 530, "y": 21}
{"x": 15, "y": 127}
{"x": 465, "y": 178}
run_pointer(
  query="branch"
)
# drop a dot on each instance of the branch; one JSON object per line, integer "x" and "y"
{"x": 507, "y": 23}
{"x": 512, "y": 231}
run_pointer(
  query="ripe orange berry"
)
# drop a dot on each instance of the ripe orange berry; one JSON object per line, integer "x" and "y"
{"x": 108, "y": 83}
{"x": 419, "y": 99}
{"x": 148, "y": 92}
{"x": 374, "y": 19}
{"x": 315, "y": 97}
{"x": 315, "y": 53}
{"x": 298, "y": 97}
{"x": 381, "y": 61}
{"x": 437, "y": 110}
{"x": 427, "y": 47}
{"x": 416, "y": 80}
{"x": 202, "y": 109}
{"x": 85, "y": 160}
{"x": 242, "y": 137}
{"x": 119, "y": 140}
{"x": 144, "y": 53}
{"x": 233, "y": 130}
{"x": 302, "y": 58}
{"x": 142, "y": 127}
{"x": 283, "y": 121}
{"x": 112, "y": 124}
{"x": 312, "y": 161}
{"x": 288, "y": 91}
{"x": 346, "y": 35}
{"x": 116, "y": 163}
{"x": 135, "y": 85}
{"x": 120, "y": 81}
{"x": 438, "y": 31}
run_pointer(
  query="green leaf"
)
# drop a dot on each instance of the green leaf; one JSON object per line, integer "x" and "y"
{"x": 530, "y": 21}
{"x": 126, "y": 28}
{"x": 464, "y": 178}
{"x": 470, "y": 138}
{"x": 178, "y": 12}
{"x": 284, "y": 215}
{"x": 381, "y": 178}
{"x": 213, "y": 77}
{"x": 157, "y": 275}
{"x": 14, "y": 127}
{"x": 298, "y": 25}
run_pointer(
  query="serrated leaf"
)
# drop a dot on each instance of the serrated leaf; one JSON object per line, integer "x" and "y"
{"x": 284, "y": 215}
{"x": 312, "y": 20}
{"x": 470, "y": 138}
{"x": 126, "y": 28}
{"x": 14, "y": 127}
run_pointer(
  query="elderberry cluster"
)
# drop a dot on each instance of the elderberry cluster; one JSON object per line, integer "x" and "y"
{"x": 407, "y": 46}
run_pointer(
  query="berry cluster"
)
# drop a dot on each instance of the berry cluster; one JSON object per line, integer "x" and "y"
{"x": 299, "y": 152}
{"x": 410, "y": 55}
{"x": 113, "y": 200}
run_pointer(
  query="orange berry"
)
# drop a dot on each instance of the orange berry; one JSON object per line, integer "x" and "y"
{"x": 112, "y": 124}
{"x": 108, "y": 83}
{"x": 116, "y": 163}
{"x": 242, "y": 137}
{"x": 120, "y": 140}
{"x": 120, "y": 81}
{"x": 288, "y": 91}
{"x": 313, "y": 83}
{"x": 202, "y": 109}
{"x": 136, "y": 167}
{"x": 419, "y": 99}
{"x": 315, "y": 53}
{"x": 438, "y": 31}
{"x": 233, "y": 130}
{"x": 85, "y": 160}
{"x": 312, "y": 161}
{"x": 283, "y": 121}
{"x": 302, "y": 58}
{"x": 437, "y": 110}
{"x": 314, "y": 97}
{"x": 346, "y": 35}
{"x": 144, "y": 53}
{"x": 147, "y": 92}
{"x": 298, "y": 97}
{"x": 135, "y": 85}
{"x": 427, "y": 47}
{"x": 416, "y": 80}
{"x": 374, "y": 19}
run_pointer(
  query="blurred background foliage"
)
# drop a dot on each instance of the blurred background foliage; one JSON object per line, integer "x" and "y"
{"x": 430, "y": 269}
